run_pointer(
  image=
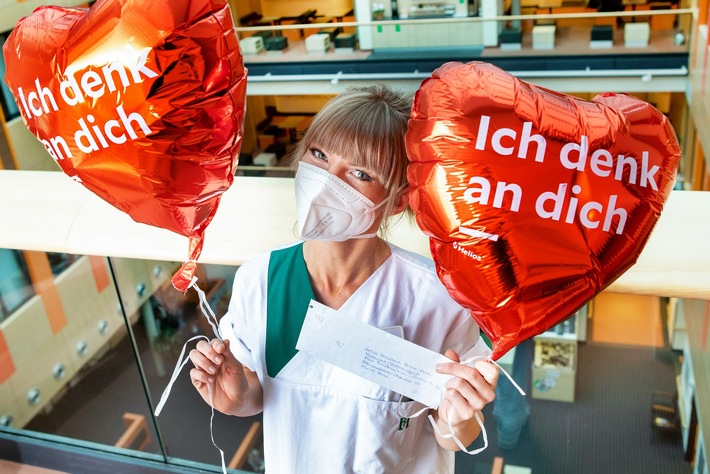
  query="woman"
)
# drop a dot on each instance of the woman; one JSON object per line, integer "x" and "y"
{"x": 351, "y": 178}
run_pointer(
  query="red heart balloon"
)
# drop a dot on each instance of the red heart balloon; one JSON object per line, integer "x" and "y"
{"x": 142, "y": 101}
{"x": 534, "y": 201}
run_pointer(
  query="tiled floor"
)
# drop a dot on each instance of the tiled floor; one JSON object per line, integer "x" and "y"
{"x": 607, "y": 429}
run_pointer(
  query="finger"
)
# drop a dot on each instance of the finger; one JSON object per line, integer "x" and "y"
{"x": 462, "y": 409}
{"x": 201, "y": 362}
{"x": 472, "y": 384}
{"x": 200, "y": 378}
{"x": 451, "y": 354}
{"x": 227, "y": 358}
{"x": 220, "y": 346}
{"x": 472, "y": 374}
{"x": 207, "y": 349}
{"x": 477, "y": 393}
{"x": 461, "y": 386}
{"x": 488, "y": 371}
{"x": 456, "y": 369}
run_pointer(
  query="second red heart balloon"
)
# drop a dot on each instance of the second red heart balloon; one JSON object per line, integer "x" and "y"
{"x": 535, "y": 201}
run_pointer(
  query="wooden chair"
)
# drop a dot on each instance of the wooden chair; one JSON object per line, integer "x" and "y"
{"x": 664, "y": 414}
{"x": 498, "y": 465}
{"x": 250, "y": 442}
{"x": 136, "y": 435}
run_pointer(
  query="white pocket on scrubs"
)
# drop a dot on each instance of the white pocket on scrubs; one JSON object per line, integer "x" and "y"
{"x": 386, "y": 436}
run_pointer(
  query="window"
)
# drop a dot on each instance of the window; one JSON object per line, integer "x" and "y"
{"x": 9, "y": 107}
{"x": 60, "y": 261}
{"x": 15, "y": 283}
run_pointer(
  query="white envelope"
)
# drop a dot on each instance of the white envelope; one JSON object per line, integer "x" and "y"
{"x": 375, "y": 354}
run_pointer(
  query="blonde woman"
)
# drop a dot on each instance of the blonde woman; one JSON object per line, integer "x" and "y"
{"x": 350, "y": 179}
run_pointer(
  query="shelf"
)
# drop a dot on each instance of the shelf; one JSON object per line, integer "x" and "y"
{"x": 555, "y": 354}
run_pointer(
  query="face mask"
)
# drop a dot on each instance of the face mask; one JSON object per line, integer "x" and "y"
{"x": 329, "y": 209}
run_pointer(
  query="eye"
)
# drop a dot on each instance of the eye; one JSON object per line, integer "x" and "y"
{"x": 362, "y": 176}
{"x": 318, "y": 154}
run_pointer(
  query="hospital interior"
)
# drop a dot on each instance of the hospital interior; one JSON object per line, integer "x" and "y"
{"x": 91, "y": 328}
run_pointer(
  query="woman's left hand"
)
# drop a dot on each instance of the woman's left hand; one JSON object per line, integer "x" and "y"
{"x": 467, "y": 392}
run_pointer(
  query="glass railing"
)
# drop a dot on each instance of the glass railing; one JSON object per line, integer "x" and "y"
{"x": 90, "y": 368}
{"x": 89, "y": 371}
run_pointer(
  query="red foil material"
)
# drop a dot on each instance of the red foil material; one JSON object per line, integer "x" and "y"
{"x": 534, "y": 201}
{"x": 141, "y": 101}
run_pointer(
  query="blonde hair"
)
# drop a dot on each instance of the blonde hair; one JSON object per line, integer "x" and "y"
{"x": 367, "y": 125}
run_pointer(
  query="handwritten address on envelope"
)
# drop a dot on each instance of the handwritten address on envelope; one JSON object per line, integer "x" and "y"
{"x": 374, "y": 354}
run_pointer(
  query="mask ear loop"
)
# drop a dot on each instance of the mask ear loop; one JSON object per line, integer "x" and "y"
{"x": 377, "y": 206}
{"x": 450, "y": 412}
{"x": 183, "y": 360}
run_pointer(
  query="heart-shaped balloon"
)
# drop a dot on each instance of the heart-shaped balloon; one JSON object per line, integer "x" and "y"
{"x": 534, "y": 201}
{"x": 141, "y": 101}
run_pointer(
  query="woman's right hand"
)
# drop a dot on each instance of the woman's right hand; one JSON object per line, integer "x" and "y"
{"x": 235, "y": 389}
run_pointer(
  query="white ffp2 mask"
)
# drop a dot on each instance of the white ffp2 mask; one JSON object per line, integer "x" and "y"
{"x": 330, "y": 209}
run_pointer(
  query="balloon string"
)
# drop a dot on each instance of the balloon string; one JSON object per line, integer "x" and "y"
{"x": 176, "y": 371}
{"x": 205, "y": 308}
{"x": 520, "y": 390}
{"x": 183, "y": 360}
{"x": 221, "y": 453}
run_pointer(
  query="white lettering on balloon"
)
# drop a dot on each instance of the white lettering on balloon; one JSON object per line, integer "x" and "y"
{"x": 128, "y": 68}
{"x": 562, "y": 204}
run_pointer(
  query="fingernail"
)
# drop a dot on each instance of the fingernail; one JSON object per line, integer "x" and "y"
{"x": 439, "y": 367}
{"x": 210, "y": 379}
{"x": 212, "y": 369}
{"x": 218, "y": 359}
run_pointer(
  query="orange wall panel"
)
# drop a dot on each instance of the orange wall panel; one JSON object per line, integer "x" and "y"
{"x": 43, "y": 281}
{"x": 98, "y": 268}
{"x": 7, "y": 367}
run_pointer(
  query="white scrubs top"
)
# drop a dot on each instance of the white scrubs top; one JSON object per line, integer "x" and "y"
{"x": 319, "y": 418}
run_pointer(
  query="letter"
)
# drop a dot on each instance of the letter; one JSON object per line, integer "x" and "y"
{"x": 97, "y": 131}
{"x": 32, "y": 99}
{"x": 50, "y": 150}
{"x": 557, "y": 198}
{"x": 647, "y": 175}
{"x": 56, "y": 141}
{"x": 110, "y": 125}
{"x": 596, "y": 163}
{"x": 92, "y": 85}
{"x": 136, "y": 63}
{"x": 44, "y": 93}
{"x": 115, "y": 66}
{"x": 70, "y": 84}
{"x": 581, "y": 149}
{"x": 483, "y": 193}
{"x": 526, "y": 138}
{"x": 584, "y": 214}
{"x": 576, "y": 189}
{"x": 611, "y": 211}
{"x": 482, "y": 132}
{"x": 84, "y": 133}
{"x": 501, "y": 188}
{"x": 133, "y": 117}
{"x": 631, "y": 161}
{"x": 24, "y": 102}
{"x": 496, "y": 141}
